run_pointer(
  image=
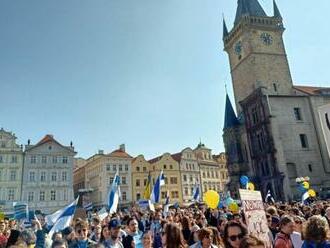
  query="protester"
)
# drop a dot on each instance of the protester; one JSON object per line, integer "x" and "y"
{"x": 147, "y": 240}
{"x": 81, "y": 233}
{"x": 233, "y": 234}
{"x": 172, "y": 237}
{"x": 315, "y": 233}
{"x": 59, "y": 244}
{"x": 283, "y": 237}
{"x": 251, "y": 241}
{"x": 113, "y": 240}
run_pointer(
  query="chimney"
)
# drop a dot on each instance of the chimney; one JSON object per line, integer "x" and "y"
{"x": 71, "y": 144}
{"x": 122, "y": 147}
{"x": 101, "y": 152}
{"x": 29, "y": 141}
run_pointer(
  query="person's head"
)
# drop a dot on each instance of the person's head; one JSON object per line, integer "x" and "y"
{"x": 233, "y": 234}
{"x": 275, "y": 221}
{"x": 128, "y": 242}
{"x": 98, "y": 229}
{"x": 81, "y": 230}
{"x": 114, "y": 228}
{"x": 271, "y": 210}
{"x": 105, "y": 233}
{"x": 251, "y": 241}
{"x": 316, "y": 229}
{"x": 96, "y": 221}
{"x": 57, "y": 236}
{"x": 68, "y": 233}
{"x": 132, "y": 225}
{"x": 205, "y": 236}
{"x": 2, "y": 226}
{"x": 194, "y": 231}
{"x": 298, "y": 223}
{"x": 59, "y": 244}
{"x": 185, "y": 222}
{"x": 158, "y": 216}
{"x": 147, "y": 240}
{"x": 221, "y": 224}
{"x": 28, "y": 237}
{"x": 172, "y": 236}
{"x": 286, "y": 225}
{"x": 327, "y": 213}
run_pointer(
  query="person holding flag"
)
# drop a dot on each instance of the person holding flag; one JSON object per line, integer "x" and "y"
{"x": 196, "y": 193}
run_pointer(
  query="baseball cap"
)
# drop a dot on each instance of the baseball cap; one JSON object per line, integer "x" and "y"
{"x": 114, "y": 223}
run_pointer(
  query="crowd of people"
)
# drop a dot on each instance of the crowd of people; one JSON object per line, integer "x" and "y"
{"x": 290, "y": 226}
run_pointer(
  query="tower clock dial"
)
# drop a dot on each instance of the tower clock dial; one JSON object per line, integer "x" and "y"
{"x": 266, "y": 38}
{"x": 238, "y": 48}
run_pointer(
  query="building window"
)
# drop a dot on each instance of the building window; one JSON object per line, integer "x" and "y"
{"x": 191, "y": 179}
{"x": 123, "y": 195}
{"x": 42, "y": 196}
{"x": 175, "y": 194}
{"x": 3, "y": 144}
{"x": 43, "y": 176}
{"x": 186, "y": 191}
{"x": 65, "y": 195}
{"x": 137, "y": 168}
{"x": 54, "y": 160}
{"x": 12, "y": 175}
{"x": 138, "y": 196}
{"x": 165, "y": 167}
{"x": 297, "y": 114}
{"x": 185, "y": 178}
{"x": 52, "y": 195}
{"x": 33, "y": 159}
{"x": 120, "y": 167}
{"x": 0, "y": 174}
{"x": 64, "y": 176}
{"x": 108, "y": 167}
{"x": 144, "y": 169}
{"x": 137, "y": 182}
{"x": 31, "y": 196}
{"x": 145, "y": 182}
{"x": 173, "y": 180}
{"x": 310, "y": 168}
{"x": 123, "y": 180}
{"x": 303, "y": 140}
{"x": 32, "y": 176}
{"x": 126, "y": 167}
{"x": 163, "y": 195}
{"x": 275, "y": 87}
{"x": 14, "y": 159}
{"x": 54, "y": 174}
{"x": 114, "y": 167}
{"x": 11, "y": 194}
{"x": 1, "y": 159}
{"x": 110, "y": 180}
{"x": 65, "y": 160}
{"x": 171, "y": 167}
{"x": 44, "y": 159}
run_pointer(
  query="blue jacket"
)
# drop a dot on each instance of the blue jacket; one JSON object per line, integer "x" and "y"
{"x": 312, "y": 244}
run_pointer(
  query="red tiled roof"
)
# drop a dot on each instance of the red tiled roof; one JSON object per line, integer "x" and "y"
{"x": 120, "y": 153}
{"x": 154, "y": 160}
{"x": 49, "y": 138}
{"x": 310, "y": 90}
{"x": 177, "y": 156}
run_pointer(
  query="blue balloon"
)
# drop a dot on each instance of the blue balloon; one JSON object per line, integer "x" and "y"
{"x": 301, "y": 188}
{"x": 229, "y": 200}
{"x": 244, "y": 180}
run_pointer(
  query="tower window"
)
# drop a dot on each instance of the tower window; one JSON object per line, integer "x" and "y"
{"x": 303, "y": 140}
{"x": 275, "y": 87}
{"x": 310, "y": 168}
{"x": 297, "y": 114}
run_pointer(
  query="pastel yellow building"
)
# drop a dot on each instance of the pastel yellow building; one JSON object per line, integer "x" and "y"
{"x": 171, "y": 171}
{"x": 223, "y": 171}
{"x": 140, "y": 172}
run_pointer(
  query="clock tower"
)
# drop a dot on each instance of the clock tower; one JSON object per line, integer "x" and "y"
{"x": 256, "y": 52}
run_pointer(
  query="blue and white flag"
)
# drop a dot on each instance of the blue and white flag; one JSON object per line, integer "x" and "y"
{"x": 63, "y": 217}
{"x": 114, "y": 194}
{"x": 304, "y": 197}
{"x": 88, "y": 206}
{"x": 196, "y": 193}
{"x": 21, "y": 211}
{"x": 269, "y": 197}
{"x": 167, "y": 203}
{"x": 155, "y": 194}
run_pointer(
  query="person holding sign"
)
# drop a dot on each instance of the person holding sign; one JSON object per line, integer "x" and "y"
{"x": 283, "y": 237}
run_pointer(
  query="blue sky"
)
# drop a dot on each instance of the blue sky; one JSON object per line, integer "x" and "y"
{"x": 146, "y": 73}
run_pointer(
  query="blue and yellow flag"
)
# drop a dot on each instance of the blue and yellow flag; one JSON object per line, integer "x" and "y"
{"x": 147, "y": 190}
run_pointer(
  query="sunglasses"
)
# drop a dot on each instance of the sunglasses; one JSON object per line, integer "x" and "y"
{"x": 81, "y": 230}
{"x": 235, "y": 237}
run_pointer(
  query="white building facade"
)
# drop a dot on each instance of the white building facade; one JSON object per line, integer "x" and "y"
{"x": 11, "y": 163}
{"x": 48, "y": 175}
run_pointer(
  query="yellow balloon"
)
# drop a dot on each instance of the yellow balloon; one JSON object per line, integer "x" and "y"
{"x": 311, "y": 193}
{"x": 233, "y": 207}
{"x": 305, "y": 185}
{"x": 250, "y": 186}
{"x": 211, "y": 198}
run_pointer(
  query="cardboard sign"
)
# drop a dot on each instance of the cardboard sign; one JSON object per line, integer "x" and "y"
{"x": 324, "y": 112}
{"x": 255, "y": 215}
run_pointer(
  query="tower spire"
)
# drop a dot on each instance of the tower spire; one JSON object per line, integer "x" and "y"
{"x": 225, "y": 29}
{"x": 230, "y": 116}
{"x": 277, "y": 12}
{"x": 250, "y": 8}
